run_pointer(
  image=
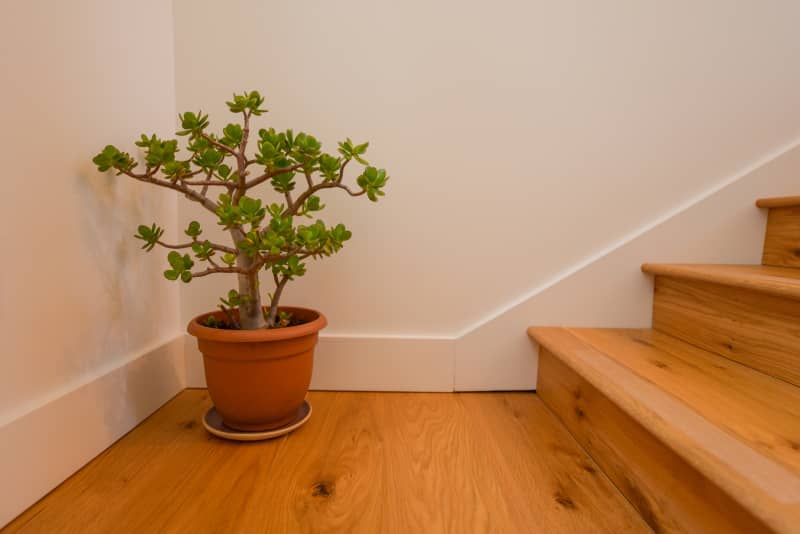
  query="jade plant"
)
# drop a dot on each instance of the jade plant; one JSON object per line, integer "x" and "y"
{"x": 217, "y": 173}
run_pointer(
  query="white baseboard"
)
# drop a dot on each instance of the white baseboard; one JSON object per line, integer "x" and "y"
{"x": 41, "y": 448}
{"x": 365, "y": 364}
{"x": 384, "y": 364}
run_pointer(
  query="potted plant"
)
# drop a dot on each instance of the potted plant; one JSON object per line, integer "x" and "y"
{"x": 258, "y": 359}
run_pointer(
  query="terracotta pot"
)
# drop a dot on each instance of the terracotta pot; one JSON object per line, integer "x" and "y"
{"x": 258, "y": 379}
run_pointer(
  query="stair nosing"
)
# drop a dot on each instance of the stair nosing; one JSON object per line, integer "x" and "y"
{"x": 778, "y": 202}
{"x": 730, "y": 478}
{"x": 772, "y": 284}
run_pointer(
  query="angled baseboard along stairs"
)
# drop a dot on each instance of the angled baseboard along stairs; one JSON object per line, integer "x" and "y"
{"x": 697, "y": 419}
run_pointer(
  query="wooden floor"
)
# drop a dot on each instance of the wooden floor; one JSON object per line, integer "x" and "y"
{"x": 365, "y": 462}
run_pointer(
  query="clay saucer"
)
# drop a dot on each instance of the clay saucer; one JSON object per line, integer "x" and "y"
{"x": 213, "y": 423}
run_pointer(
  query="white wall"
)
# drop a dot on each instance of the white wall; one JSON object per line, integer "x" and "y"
{"x": 522, "y": 136}
{"x": 80, "y": 304}
{"x": 609, "y": 289}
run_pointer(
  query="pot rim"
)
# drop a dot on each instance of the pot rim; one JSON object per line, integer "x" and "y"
{"x": 262, "y": 335}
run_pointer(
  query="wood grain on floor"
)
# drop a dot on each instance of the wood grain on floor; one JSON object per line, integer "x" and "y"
{"x": 365, "y": 462}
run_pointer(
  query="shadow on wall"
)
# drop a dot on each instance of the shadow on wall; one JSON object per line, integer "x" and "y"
{"x": 108, "y": 211}
{"x": 104, "y": 216}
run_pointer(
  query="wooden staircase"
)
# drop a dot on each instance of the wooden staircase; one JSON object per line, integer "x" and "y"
{"x": 697, "y": 420}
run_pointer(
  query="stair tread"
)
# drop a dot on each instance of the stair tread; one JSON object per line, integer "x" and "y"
{"x": 779, "y": 281}
{"x": 739, "y": 427}
{"x": 778, "y": 202}
{"x": 746, "y": 402}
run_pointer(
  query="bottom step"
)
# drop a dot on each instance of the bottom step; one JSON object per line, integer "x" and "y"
{"x": 696, "y": 442}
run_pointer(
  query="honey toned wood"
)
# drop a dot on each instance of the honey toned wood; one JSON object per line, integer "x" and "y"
{"x": 778, "y": 202}
{"x": 776, "y": 281}
{"x": 736, "y": 476}
{"x": 364, "y": 462}
{"x": 754, "y": 328}
{"x": 782, "y": 237}
{"x": 760, "y": 410}
{"x": 670, "y": 494}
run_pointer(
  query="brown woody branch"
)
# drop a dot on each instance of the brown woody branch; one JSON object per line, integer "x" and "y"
{"x": 215, "y": 246}
{"x": 294, "y": 208}
{"x": 341, "y": 170}
{"x": 207, "y": 182}
{"x": 263, "y": 260}
{"x": 213, "y": 270}
{"x": 243, "y": 144}
{"x": 149, "y": 178}
{"x": 268, "y": 175}
{"x": 217, "y": 144}
{"x": 276, "y": 297}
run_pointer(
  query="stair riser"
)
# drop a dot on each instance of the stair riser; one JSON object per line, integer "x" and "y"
{"x": 758, "y": 330}
{"x": 670, "y": 494}
{"x": 782, "y": 240}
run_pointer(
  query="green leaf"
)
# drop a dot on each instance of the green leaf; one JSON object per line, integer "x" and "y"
{"x": 346, "y": 148}
{"x": 250, "y": 210}
{"x": 329, "y": 167}
{"x": 275, "y": 210}
{"x": 247, "y": 101}
{"x": 283, "y": 183}
{"x": 313, "y": 203}
{"x": 372, "y": 181}
{"x": 209, "y": 158}
{"x": 175, "y": 260}
{"x": 150, "y": 236}
{"x": 340, "y": 233}
{"x": 198, "y": 144}
{"x": 193, "y": 123}
{"x": 290, "y": 268}
{"x": 193, "y": 230}
{"x": 234, "y": 299}
{"x": 157, "y": 151}
{"x": 188, "y": 263}
{"x": 175, "y": 169}
{"x": 250, "y": 244}
{"x": 112, "y": 158}
{"x": 180, "y": 266}
{"x": 204, "y": 250}
{"x": 232, "y": 135}
{"x": 228, "y": 213}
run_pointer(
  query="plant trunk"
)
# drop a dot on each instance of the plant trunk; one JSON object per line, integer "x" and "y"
{"x": 273, "y": 305}
{"x": 251, "y": 317}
